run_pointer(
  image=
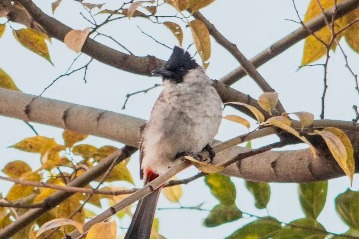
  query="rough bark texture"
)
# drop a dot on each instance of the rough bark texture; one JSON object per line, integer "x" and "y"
{"x": 272, "y": 166}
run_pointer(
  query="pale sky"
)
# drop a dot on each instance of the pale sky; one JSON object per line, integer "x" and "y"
{"x": 253, "y": 26}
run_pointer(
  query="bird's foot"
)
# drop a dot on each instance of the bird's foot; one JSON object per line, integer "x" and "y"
{"x": 210, "y": 151}
{"x": 198, "y": 156}
{"x": 194, "y": 155}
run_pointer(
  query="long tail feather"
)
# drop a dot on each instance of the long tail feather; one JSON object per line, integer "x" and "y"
{"x": 141, "y": 223}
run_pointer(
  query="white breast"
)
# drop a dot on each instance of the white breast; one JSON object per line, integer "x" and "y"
{"x": 185, "y": 117}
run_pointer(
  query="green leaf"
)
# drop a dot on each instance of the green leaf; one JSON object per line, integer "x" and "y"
{"x": 347, "y": 206}
{"x": 258, "y": 229}
{"x": 304, "y": 228}
{"x": 221, "y": 214}
{"x": 222, "y": 188}
{"x": 261, "y": 193}
{"x": 34, "y": 41}
{"x": 312, "y": 197}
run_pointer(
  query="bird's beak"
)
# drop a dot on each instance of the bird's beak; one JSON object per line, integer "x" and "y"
{"x": 162, "y": 72}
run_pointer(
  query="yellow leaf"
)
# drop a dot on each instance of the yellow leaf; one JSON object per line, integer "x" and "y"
{"x": 103, "y": 230}
{"x": 180, "y": 5}
{"x": 19, "y": 191}
{"x": 259, "y": 116}
{"x": 104, "y": 151}
{"x": 59, "y": 223}
{"x": 34, "y": 41}
{"x": 239, "y": 120}
{"x": 85, "y": 150}
{"x": 6, "y": 81}
{"x": 72, "y": 137}
{"x": 196, "y": 5}
{"x": 75, "y": 39}
{"x": 282, "y": 119}
{"x": 120, "y": 173}
{"x": 268, "y": 101}
{"x": 313, "y": 48}
{"x": 341, "y": 148}
{"x": 201, "y": 39}
{"x": 69, "y": 206}
{"x": 305, "y": 118}
{"x": 44, "y": 194}
{"x": 32, "y": 144}
{"x": 280, "y": 124}
{"x": 51, "y": 158}
{"x": 174, "y": 193}
{"x": 2, "y": 29}
{"x": 54, "y": 5}
{"x": 351, "y": 34}
{"x": 16, "y": 168}
{"x": 176, "y": 30}
{"x": 205, "y": 167}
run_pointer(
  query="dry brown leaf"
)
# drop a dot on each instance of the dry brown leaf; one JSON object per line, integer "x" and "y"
{"x": 58, "y": 223}
{"x": 268, "y": 101}
{"x": 75, "y": 39}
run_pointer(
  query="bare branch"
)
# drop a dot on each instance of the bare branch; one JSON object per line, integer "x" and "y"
{"x": 283, "y": 44}
{"x": 248, "y": 66}
{"x": 98, "y": 51}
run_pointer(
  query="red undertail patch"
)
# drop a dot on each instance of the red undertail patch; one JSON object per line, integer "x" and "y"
{"x": 150, "y": 175}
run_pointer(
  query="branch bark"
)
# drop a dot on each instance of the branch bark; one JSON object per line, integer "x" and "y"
{"x": 272, "y": 166}
{"x": 60, "y": 196}
{"x": 286, "y": 42}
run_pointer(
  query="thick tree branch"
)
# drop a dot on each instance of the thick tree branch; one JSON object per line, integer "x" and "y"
{"x": 286, "y": 42}
{"x": 59, "y": 197}
{"x": 98, "y": 51}
{"x": 283, "y": 166}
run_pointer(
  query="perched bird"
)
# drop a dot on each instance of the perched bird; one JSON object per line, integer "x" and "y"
{"x": 184, "y": 120}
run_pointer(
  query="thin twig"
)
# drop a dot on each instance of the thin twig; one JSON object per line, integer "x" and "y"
{"x": 288, "y": 41}
{"x": 247, "y": 65}
{"x": 157, "y": 41}
{"x": 138, "y": 92}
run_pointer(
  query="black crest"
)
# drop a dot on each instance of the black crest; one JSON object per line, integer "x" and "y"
{"x": 180, "y": 61}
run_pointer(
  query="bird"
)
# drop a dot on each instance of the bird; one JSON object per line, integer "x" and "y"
{"x": 184, "y": 121}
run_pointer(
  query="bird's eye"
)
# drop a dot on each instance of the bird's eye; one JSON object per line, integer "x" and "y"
{"x": 181, "y": 70}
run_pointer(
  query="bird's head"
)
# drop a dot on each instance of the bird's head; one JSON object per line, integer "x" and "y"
{"x": 177, "y": 66}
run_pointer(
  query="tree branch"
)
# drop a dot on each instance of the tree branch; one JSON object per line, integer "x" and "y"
{"x": 283, "y": 166}
{"x": 98, "y": 51}
{"x": 283, "y": 44}
{"x": 248, "y": 66}
{"x": 59, "y": 197}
